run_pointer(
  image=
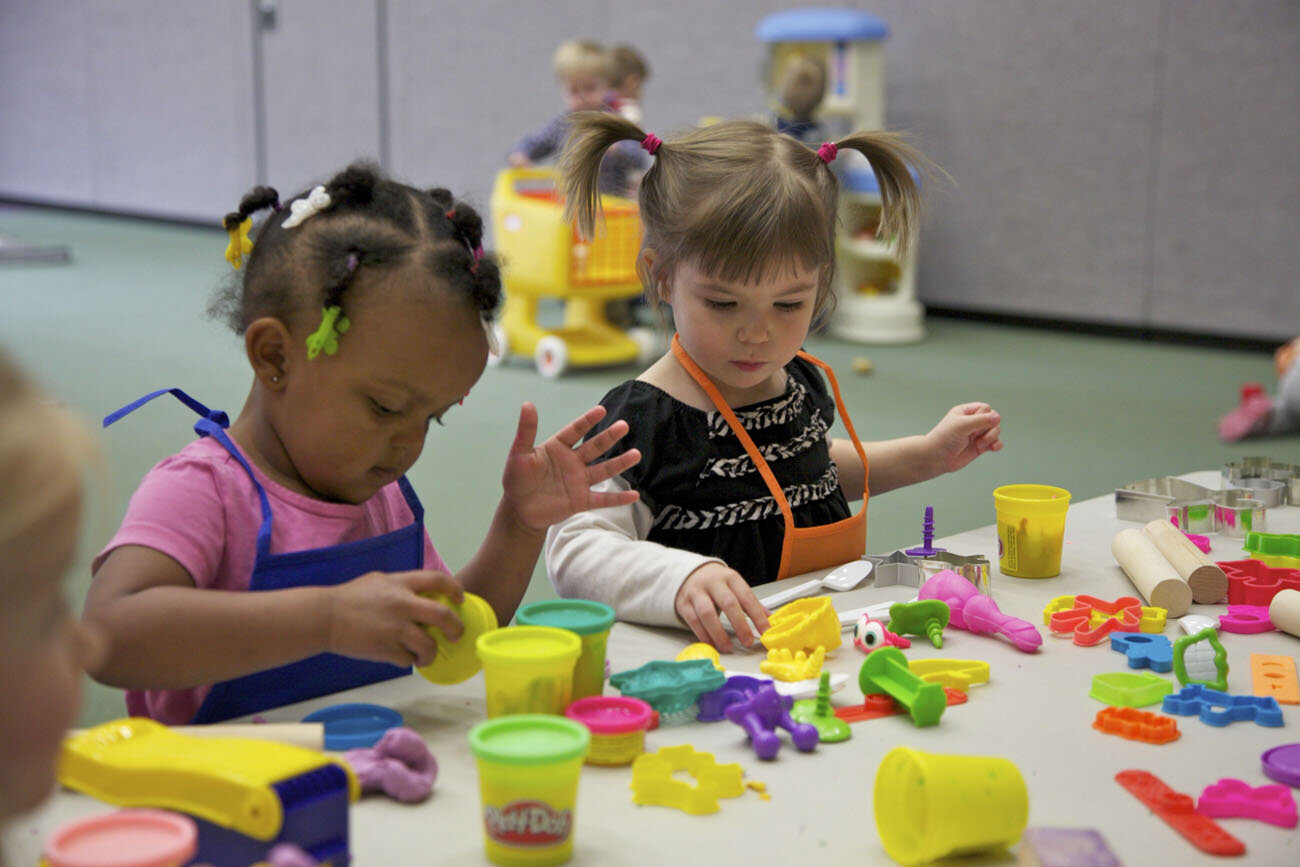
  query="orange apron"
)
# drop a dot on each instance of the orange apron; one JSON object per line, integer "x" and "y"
{"x": 804, "y": 548}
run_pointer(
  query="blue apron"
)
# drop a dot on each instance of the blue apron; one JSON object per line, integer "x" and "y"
{"x": 397, "y": 551}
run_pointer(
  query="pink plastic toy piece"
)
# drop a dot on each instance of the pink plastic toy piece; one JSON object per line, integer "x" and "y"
{"x": 975, "y": 612}
{"x": 1246, "y": 619}
{"x": 1202, "y": 542}
{"x": 399, "y": 765}
{"x": 1231, "y": 798}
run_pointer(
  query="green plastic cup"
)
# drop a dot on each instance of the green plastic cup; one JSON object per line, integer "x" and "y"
{"x": 591, "y": 622}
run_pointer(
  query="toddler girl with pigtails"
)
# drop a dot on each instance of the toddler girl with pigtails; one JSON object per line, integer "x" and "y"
{"x": 362, "y": 306}
{"x": 740, "y": 482}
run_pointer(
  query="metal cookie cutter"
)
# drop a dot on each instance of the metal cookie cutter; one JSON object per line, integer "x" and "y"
{"x": 899, "y": 568}
{"x": 1241, "y": 473}
{"x": 1194, "y": 508}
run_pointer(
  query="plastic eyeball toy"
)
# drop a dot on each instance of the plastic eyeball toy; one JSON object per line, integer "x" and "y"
{"x": 869, "y": 635}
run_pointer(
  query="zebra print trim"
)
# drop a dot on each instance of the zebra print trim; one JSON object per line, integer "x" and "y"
{"x": 743, "y": 465}
{"x": 788, "y": 408}
{"x": 674, "y": 517}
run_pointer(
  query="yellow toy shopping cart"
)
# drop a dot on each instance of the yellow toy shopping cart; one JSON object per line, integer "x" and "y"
{"x": 542, "y": 255}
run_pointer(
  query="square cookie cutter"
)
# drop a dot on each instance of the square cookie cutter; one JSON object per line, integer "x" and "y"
{"x": 1266, "y": 476}
{"x": 1193, "y": 508}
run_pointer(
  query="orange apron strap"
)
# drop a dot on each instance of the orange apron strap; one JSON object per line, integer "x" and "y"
{"x": 848, "y": 422}
{"x": 741, "y": 434}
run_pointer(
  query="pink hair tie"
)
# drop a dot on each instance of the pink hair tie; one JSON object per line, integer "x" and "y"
{"x": 651, "y": 143}
{"x": 827, "y": 151}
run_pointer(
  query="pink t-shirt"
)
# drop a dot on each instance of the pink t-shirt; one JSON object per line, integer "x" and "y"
{"x": 200, "y": 508}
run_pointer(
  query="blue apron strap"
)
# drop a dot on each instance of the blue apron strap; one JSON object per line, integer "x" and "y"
{"x": 215, "y": 414}
{"x": 213, "y": 423}
{"x": 417, "y": 508}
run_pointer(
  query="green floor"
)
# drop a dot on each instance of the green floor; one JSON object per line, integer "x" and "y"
{"x": 126, "y": 317}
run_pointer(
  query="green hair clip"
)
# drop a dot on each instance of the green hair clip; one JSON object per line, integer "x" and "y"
{"x": 326, "y": 338}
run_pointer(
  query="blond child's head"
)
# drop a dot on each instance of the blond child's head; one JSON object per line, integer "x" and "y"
{"x": 738, "y": 201}
{"x": 628, "y": 70}
{"x": 363, "y": 323}
{"x": 43, "y": 452}
{"x": 802, "y": 86}
{"x": 583, "y": 70}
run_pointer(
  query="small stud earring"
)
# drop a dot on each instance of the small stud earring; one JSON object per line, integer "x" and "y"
{"x": 275, "y": 379}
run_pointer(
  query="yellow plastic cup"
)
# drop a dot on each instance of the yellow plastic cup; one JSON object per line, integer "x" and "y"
{"x": 528, "y": 768}
{"x": 931, "y": 806}
{"x": 528, "y": 669}
{"x": 591, "y": 621}
{"x": 458, "y": 660}
{"x": 1031, "y": 529}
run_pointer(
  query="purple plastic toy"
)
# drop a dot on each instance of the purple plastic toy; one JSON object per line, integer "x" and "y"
{"x": 926, "y": 548}
{"x": 975, "y": 612}
{"x": 762, "y": 713}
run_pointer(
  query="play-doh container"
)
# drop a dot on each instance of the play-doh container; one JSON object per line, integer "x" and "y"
{"x": 458, "y": 660}
{"x": 528, "y": 669}
{"x": 617, "y": 724}
{"x": 590, "y": 621}
{"x": 528, "y": 768}
{"x": 1031, "y": 529}
{"x": 125, "y": 838}
{"x": 931, "y": 806}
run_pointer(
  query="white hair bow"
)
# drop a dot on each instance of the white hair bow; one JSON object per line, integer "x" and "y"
{"x": 300, "y": 209}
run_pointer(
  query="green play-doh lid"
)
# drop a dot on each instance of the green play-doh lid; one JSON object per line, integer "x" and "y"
{"x": 529, "y": 739}
{"x": 582, "y": 616}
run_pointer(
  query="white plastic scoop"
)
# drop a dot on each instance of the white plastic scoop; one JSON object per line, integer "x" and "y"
{"x": 842, "y": 578}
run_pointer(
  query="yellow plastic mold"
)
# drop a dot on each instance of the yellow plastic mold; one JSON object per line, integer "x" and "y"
{"x": 803, "y": 625}
{"x": 700, "y": 650}
{"x": 1153, "y": 618}
{"x": 959, "y": 674}
{"x": 137, "y": 762}
{"x": 653, "y": 783}
{"x": 788, "y": 667}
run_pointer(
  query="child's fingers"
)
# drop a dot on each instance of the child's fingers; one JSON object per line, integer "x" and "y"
{"x": 526, "y": 432}
{"x": 601, "y": 442}
{"x": 573, "y": 432}
{"x": 428, "y": 612}
{"x": 751, "y": 606}
{"x": 419, "y": 643}
{"x": 608, "y": 469}
{"x": 427, "y": 581}
{"x": 605, "y": 499}
{"x": 702, "y": 618}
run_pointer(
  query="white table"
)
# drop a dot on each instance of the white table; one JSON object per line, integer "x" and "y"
{"x": 1035, "y": 711}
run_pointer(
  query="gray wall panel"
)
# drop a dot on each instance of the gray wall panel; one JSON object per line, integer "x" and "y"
{"x": 468, "y": 80}
{"x": 1042, "y": 113}
{"x": 171, "y": 87}
{"x": 1226, "y": 242}
{"x": 45, "y": 139}
{"x": 322, "y": 90}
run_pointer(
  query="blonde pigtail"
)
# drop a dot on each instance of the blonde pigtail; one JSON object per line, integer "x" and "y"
{"x": 893, "y": 160}
{"x": 591, "y": 134}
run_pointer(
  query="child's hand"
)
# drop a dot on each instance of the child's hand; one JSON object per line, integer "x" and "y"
{"x": 714, "y": 587}
{"x": 1286, "y": 356}
{"x": 549, "y": 483}
{"x": 381, "y": 616}
{"x": 518, "y": 160}
{"x": 965, "y": 432}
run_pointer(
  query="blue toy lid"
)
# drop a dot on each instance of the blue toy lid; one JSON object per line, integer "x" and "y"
{"x": 821, "y": 25}
{"x": 349, "y": 726}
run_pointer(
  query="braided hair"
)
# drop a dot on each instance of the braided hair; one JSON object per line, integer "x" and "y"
{"x": 372, "y": 227}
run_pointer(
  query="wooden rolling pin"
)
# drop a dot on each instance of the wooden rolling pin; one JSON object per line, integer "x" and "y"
{"x": 1284, "y": 611}
{"x": 309, "y": 735}
{"x": 1208, "y": 582}
{"x": 1153, "y": 576}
